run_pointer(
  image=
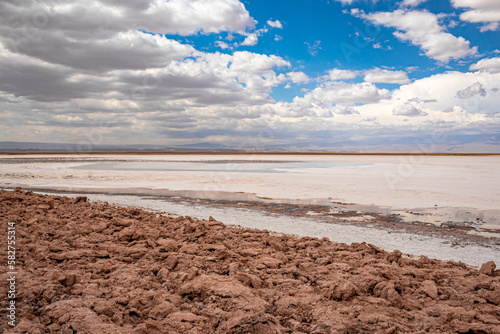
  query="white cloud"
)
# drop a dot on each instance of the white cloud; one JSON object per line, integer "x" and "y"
{"x": 452, "y": 24}
{"x": 408, "y": 110}
{"x": 475, "y": 90}
{"x": 94, "y": 50}
{"x": 321, "y": 100}
{"x": 250, "y": 40}
{"x": 342, "y": 93}
{"x": 455, "y": 109}
{"x": 346, "y": 2}
{"x": 102, "y": 35}
{"x": 174, "y": 16}
{"x": 344, "y": 110}
{"x": 490, "y": 65}
{"x": 298, "y": 77}
{"x": 484, "y": 4}
{"x": 313, "y": 48}
{"x": 223, "y": 45}
{"x": 412, "y": 3}
{"x": 493, "y": 26}
{"x": 422, "y": 28}
{"x": 126, "y": 50}
{"x": 481, "y": 16}
{"x": 337, "y": 74}
{"x": 275, "y": 24}
{"x": 439, "y": 92}
{"x": 101, "y": 75}
{"x": 480, "y": 11}
{"x": 378, "y": 75}
{"x": 253, "y": 38}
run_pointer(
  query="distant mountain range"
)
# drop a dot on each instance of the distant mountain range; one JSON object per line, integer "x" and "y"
{"x": 31, "y": 147}
{"x": 453, "y": 144}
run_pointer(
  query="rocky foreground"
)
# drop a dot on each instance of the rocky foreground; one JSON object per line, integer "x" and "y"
{"x": 95, "y": 268}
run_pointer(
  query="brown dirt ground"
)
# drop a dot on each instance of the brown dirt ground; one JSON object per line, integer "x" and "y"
{"x": 95, "y": 268}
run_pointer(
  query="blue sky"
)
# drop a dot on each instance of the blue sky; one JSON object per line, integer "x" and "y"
{"x": 319, "y": 35}
{"x": 340, "y": 75}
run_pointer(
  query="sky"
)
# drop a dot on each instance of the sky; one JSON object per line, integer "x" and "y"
{"x": 338, "y": 75}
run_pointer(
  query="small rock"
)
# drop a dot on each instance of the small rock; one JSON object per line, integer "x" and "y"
{"x": 233, "y": 268}
{"x": 163, "y": 274}
{"x": 394, "y": 256}
{"x": 488, "y": 268}
{"x": 429, "y": 288}
{"x": 171, "y": 261}
{"x": 250, "y": 252}
{"x": 375, "y": 248}
{"x": 343, "y": 290}
{"x": 159, "y": 312}
{"x": 81, "y": 199}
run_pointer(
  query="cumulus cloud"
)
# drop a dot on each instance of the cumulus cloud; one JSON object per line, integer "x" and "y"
{"x": 375, "y": 75}
{"x": 411, "y": 3}
{"x": 490, "y": 65}
{"x": 101, "y": 18}
{"x": 105, "y": 35}
{"x": 344, "y": 110}
{"x": 298, "y": 77}
{"x": 104, "y": 71}
{"x": 322, "y": 99}
{"x": 223, "y": 45}
{"x": 105, "y": 49}
{"x": 253, "y": 38}
{"x": 338, "y": 74}
{"x": 408, "y": 110}
{"x": 435, "y": 94}
{"x": 475, "y": 90}
{"x": 480, "y": 11}
{"x": 275, "y": 24}
{"x": 378, "y": 75}
{"x": 126, "y": 50}
{"x": 342, "y": 93}
{"x": 422, "y": 28}
{"x": 346, "y": 2}
{"x": 250, "y": 40}
{"x": 455, "y": 109}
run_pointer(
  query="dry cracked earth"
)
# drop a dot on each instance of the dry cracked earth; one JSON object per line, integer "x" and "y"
{"x": 95, "y": 268}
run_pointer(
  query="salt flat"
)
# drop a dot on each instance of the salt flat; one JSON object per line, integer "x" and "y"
{"x": 399, "y": 182}
{"x": 421, "y": 183}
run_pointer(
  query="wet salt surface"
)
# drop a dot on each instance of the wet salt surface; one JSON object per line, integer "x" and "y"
{"x": 408, "y": 243}
{"x": 481, "y": 220}
{"x": 217, "y": 166}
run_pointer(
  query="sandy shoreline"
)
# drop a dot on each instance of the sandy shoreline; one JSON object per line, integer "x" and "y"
{"x": 98, "y": 268}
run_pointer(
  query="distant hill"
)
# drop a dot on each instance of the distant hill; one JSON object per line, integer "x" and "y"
{"x": 473, "y": 143}
{"x": 32, "y": 147}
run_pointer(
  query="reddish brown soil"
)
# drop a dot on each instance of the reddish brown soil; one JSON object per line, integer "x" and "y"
{"x": 95, "y": 268}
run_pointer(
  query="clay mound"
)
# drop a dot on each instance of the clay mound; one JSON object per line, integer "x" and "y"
{"x": 94, "y": 268}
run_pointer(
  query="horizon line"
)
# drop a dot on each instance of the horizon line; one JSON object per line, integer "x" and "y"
{"x": 250, "y": 153}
